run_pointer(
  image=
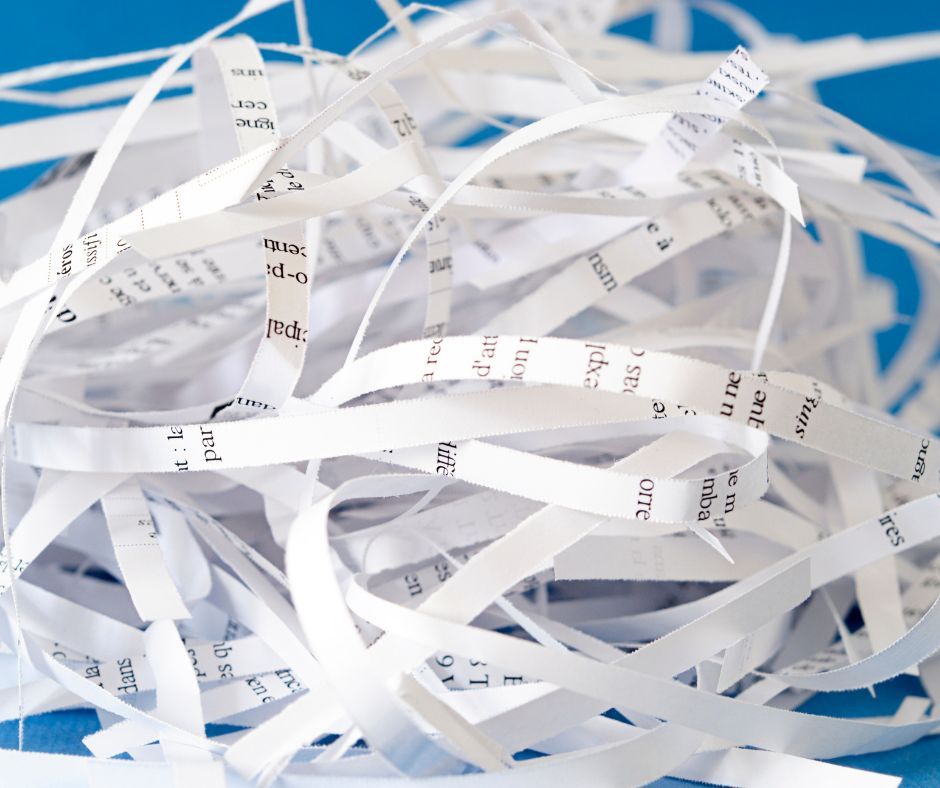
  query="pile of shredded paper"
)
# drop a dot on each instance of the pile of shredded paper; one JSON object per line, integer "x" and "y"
{"x": 496, "y": 405}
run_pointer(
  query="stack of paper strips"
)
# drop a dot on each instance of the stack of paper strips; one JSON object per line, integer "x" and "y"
{"x": 498, "y": 404}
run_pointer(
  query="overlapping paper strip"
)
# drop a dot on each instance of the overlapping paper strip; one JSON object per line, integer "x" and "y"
{"x": 504, "y": 388}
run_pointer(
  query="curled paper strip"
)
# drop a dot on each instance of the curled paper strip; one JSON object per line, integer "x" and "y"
{"x": 495, "y": 405}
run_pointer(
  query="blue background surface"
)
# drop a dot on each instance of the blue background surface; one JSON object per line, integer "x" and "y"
{"x": 899, "y": 103}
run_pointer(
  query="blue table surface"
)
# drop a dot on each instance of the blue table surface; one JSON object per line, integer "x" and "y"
{"x": 897, "y": 102}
